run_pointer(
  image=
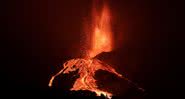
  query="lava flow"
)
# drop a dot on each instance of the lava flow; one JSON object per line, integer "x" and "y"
{"x": 101, "y": 41}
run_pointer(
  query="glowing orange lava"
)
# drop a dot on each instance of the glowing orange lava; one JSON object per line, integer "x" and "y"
{"x": 101, "y": 41}
{"x": 86, "y": 70}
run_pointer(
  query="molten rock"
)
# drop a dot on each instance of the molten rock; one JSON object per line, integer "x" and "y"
{"x": 86, "y": 69}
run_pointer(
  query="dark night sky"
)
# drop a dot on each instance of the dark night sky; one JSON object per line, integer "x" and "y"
{"x": 37, "y": 35}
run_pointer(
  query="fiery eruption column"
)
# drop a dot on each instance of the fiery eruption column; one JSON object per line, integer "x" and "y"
{"x": 101, "y": 41}
{"x": 101, "y": 34}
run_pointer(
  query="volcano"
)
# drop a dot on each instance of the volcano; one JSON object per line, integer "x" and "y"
{"x": 101, "y": 40}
